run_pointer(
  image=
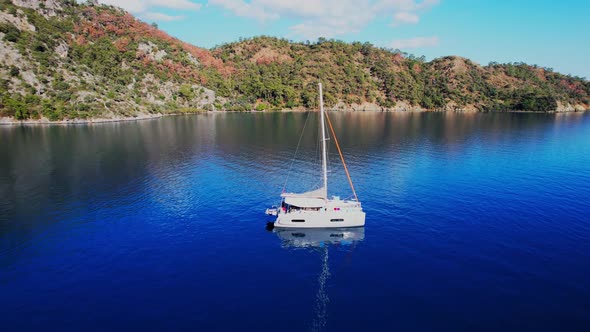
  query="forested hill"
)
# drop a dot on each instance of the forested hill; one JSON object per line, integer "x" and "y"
{"x": 64, "y": 60}
{"x": 284, "y": 74}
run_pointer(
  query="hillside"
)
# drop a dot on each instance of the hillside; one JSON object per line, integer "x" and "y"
{"x": 367, "y": 77}
{"x": 63, "y": 60}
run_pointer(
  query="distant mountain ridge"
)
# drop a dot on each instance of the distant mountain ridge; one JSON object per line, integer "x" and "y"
{"x": 63, "y": 60}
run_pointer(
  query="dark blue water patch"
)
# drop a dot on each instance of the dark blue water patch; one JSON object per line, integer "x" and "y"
{"x": 474, "y": 222}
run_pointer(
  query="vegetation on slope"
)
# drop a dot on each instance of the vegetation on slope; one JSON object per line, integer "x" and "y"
{"x": 64, "y": 60}
{"x": 97, "y": 61}
{"x": 284, "y": 74}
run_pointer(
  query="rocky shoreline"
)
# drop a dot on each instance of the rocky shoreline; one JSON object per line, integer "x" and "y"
{"x": 44, "y": 121}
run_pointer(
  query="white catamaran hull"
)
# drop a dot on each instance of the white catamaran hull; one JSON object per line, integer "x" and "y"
{"x": 320, "y": 219}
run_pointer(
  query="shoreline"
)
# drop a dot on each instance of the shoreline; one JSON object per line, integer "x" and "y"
{"x": 6, "y": 121}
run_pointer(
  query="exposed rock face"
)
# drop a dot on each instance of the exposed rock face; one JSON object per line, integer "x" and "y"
{"x": 45, "y": 7}
{"x": 192, "y": 59}
{"x": 29, "y": 77}
{"x": 12, "y": 58}
{"x": 561, "y": 107}
{"x": 366, "y": 107}
{"x": 150, "y": 50}
{"x": 340, "y": 106}
{"x": 9, "y": 55}
{"x": 402, "y": 106}
{"x": 202, "y": 97}
{"x": 62, "y": 50}
{"x": 207, "y": 96}
{"x": 452, "y": 106}
{"x": 20, "y": 23}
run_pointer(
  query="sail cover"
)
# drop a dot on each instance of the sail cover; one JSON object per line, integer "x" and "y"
{"x": 310, "y": 199}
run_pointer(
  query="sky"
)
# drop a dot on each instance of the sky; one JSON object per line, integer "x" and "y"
{"x": 554, "y": 34}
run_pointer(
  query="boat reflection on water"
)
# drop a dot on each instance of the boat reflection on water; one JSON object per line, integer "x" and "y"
{"x": 320, "y": 240}
{"x": 319, "y": 237}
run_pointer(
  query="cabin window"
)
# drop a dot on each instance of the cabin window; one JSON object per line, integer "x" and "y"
{"x": 297, "y": 220}
{"x": 336, "y": 220}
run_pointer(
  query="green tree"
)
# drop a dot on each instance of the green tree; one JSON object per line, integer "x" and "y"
{"x": 186, "y": 92}
{"x": 14, "y": 71}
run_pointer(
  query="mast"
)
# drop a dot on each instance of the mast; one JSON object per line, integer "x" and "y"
{"x": 324, "y": 156}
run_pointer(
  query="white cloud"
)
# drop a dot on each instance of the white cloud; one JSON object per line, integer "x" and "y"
{"x": 153, "y": 16}
{"x": 328, "y": 18}
{"x": 405, "y": 18}
{"x": 415, "y": 42}
{"x": 245, "y": 9}
{"x": 143, "y": 8}
{"x": 175, "y": 4}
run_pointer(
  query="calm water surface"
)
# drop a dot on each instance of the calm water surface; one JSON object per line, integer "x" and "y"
{"x": 475, "y": 222}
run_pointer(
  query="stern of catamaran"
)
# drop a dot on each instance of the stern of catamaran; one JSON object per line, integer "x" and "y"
{"x": 272, "y": 211}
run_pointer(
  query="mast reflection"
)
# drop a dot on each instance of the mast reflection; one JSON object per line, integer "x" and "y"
{"x": 320, "y": 240}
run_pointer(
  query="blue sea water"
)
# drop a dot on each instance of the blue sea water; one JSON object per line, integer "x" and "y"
{"x": 475, "y": 222}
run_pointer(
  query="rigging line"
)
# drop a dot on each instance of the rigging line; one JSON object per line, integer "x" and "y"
{"x": 296, "y": 150}
{"x": 342, "y": 158}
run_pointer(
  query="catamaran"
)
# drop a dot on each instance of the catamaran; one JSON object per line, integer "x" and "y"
{"x": 314, "y": 209}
